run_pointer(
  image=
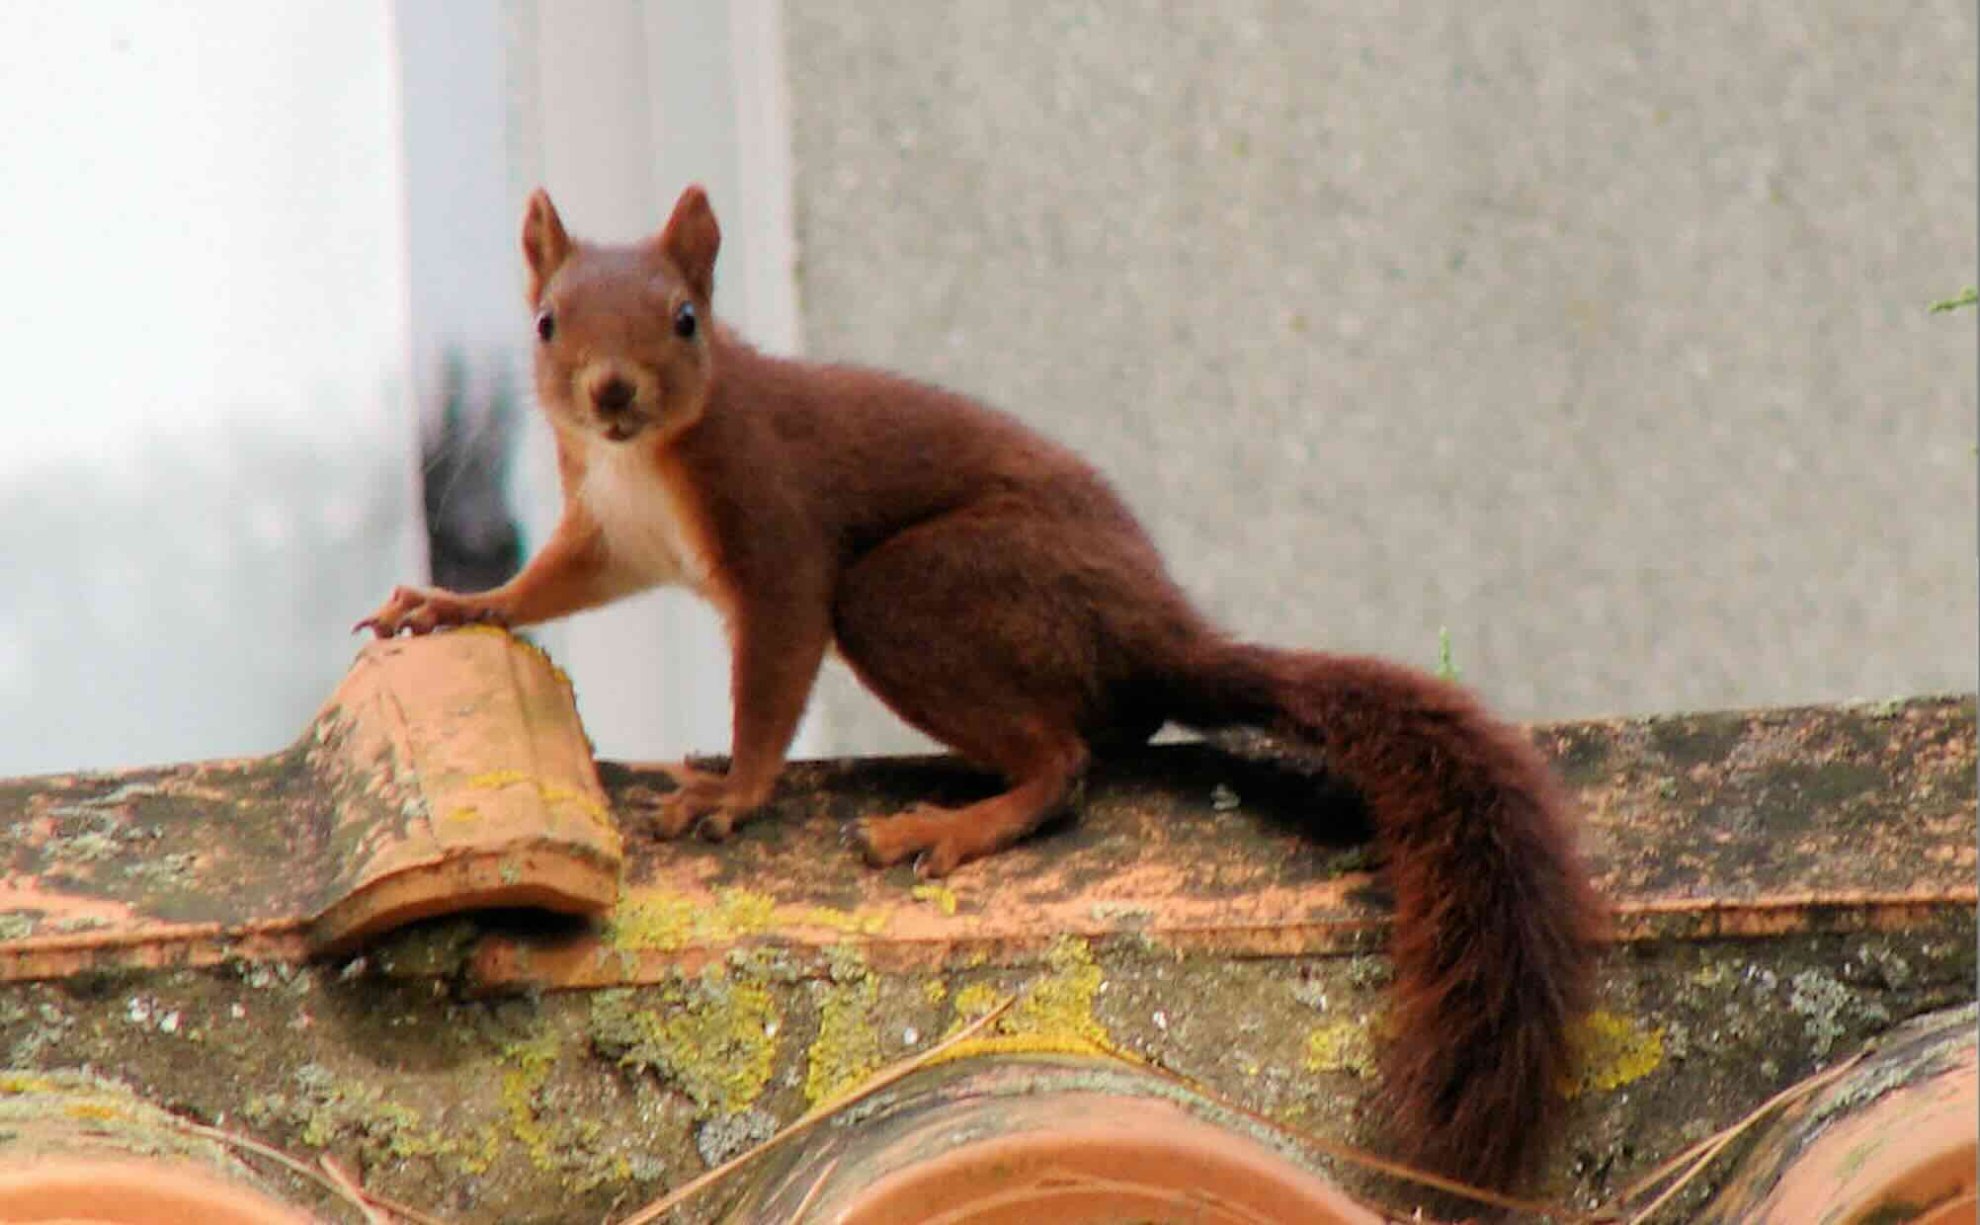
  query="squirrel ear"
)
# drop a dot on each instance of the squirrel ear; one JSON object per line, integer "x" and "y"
{"x": 544, "y": 242}
{"x": 691, "y": 239}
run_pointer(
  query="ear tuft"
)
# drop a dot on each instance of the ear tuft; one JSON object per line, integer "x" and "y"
{"x": 545, "y": 244}
{"x": 690, "y": 240}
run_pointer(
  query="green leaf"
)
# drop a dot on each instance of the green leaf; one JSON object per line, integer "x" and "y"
{"x": 1967, "y": 297}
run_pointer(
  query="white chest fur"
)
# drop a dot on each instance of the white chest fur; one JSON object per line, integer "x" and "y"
{"x": 650, "y": 537}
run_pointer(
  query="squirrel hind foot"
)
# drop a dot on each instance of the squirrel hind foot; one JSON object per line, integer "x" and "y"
{"x": 940, "y": 840}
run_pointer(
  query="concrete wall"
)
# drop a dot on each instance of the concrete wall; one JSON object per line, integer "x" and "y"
{"x": 1596, "y": 333}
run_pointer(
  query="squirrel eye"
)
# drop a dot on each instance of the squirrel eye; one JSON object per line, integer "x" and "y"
{"x": 546, "y": 326}
{"x": 685, "y": 320}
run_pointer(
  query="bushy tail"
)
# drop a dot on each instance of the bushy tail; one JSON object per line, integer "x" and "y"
{"x": 1495, "y": 921}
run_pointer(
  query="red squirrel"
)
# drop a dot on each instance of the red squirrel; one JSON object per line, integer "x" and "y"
{"x": 994, "y": 591}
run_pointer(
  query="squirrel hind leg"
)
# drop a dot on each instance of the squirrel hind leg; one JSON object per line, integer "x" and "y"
{"x": 958, "y": 626}
{"x": 1043, "y": 757}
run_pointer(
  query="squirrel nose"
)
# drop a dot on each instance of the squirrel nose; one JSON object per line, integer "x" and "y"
{"x": 614, "y": 395}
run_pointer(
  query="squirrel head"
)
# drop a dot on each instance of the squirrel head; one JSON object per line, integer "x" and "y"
{"x": 623, "y": 333}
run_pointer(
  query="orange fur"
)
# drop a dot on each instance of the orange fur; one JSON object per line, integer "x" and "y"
{"x": 993, "y": 590}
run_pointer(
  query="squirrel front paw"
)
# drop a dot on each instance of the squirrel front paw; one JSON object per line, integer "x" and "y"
{"x": 421, "y": 610}
{"x": 710, "y": 804}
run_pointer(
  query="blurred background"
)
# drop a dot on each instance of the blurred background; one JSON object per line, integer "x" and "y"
{"x": 1597, "y": 334}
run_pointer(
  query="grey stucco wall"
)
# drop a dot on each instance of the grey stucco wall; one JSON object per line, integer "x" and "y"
{"x": 1596, "y": 333}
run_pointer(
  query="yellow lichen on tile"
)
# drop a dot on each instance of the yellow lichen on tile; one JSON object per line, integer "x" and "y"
{"x": 742, "y": 912}
{"x": 490, "y": 780}
{"x": 1612, "y": 1051}
{"x": 659, "y": 920}
{"x": 529, "y": 1064}
{"x": 941, "y": 897}
{"x": 851, "y": 922}
{"x": 27, "y": 1082}
{"x": 97, "y": 1112}
{"x": 847, "y": 1048}
{"x": 727, "y": 1039}
{"x": 714, "y": 1037}
{"x": 975, "y": 1000}
{"x": 1061, "y": 1003}
{"x": 648, "y": 919}
{"x": 557, "y": 793}
{"x": 553, "y": 794}
{"x": 1341, "y": 1046}
{"x": 1053, "y": 1015}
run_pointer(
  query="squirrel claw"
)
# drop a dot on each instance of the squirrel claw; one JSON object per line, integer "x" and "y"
{"x": 934, "y": 863}
{"x": 859, "y": 836}
{"x": 671, "y": 818}
{"x": 917, "y": 835}
{"x": 422, "y": 610}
